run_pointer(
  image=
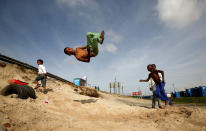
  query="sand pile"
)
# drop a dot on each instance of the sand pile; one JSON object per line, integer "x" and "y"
{"x": 87, "y": 91}
{"x": 63, "y": 109}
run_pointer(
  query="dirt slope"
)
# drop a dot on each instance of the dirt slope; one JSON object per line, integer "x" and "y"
{"x": 68, "y": 110}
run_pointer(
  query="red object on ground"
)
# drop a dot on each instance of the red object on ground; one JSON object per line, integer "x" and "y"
{"x": 136, "y": 93}
{"x": 14, "y": 81}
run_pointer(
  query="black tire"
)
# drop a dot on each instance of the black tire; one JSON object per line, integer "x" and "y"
{"x": 23, "y": 91}
{"x": 30, "y": 91}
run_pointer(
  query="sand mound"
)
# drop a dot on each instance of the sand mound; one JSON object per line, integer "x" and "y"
{"x": 63, "y": 109}
{"x": 178, "y": 118}
{"x": 10, "y": 71}
{"x": 87, "y": 91}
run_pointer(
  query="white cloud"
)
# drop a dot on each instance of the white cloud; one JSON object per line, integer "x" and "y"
{"x": 70, "y": 60}
{"x": 179, "y": 13}
{"x": 88, "y": 16}
{"x": 113, "y": 36}
{"x": 82, "y": 8}
{"x": 112, "y": 67}
{"x": 74, "y": 3}
{"x": 110, "y": 47}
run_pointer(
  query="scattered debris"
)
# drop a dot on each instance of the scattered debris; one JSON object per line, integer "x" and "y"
{"x": 87, "y": 91}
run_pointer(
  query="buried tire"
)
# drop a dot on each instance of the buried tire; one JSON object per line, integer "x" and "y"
{"x": 23, "y": 91}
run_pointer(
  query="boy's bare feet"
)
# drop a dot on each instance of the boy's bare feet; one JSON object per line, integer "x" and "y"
{"x": 166, "y": 102}
{"x": 44, "y": 90}
{"x": 37, "y": 86}
{"x": 102, "y": 36}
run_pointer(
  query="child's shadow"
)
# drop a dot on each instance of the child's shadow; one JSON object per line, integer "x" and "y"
{"x": 46, "y": 91}
{"x": 49, "y": 89}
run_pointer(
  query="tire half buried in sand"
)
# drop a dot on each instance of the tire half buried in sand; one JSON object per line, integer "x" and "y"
{"x": 23, "y": 91}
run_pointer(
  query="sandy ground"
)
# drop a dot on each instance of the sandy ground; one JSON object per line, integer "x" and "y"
{"x": 67, "y": 110}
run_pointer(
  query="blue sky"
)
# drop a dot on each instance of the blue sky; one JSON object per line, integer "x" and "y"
{"x": 171, "y": 34}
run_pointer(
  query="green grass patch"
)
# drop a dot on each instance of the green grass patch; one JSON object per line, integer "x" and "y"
{"x": 187, "y": 100}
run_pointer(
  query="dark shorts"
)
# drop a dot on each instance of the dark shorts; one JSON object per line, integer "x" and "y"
{"x": 43, "y": 78}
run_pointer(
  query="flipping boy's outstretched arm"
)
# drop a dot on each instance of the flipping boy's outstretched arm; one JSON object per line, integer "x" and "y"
{"x": 146, "y": 79}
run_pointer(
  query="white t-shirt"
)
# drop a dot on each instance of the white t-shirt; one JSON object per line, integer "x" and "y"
{"x": 41, "y": 69}
{"x": 152, "y": 83}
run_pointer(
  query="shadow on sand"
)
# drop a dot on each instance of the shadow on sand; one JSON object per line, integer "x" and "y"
{"x": 130, "y": 103}
{"x": 86, "y": 101}
{"x": 46, "y": 91}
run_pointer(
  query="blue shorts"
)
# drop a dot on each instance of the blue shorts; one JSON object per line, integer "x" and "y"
{"x": 43, "y": 78}
{"x": 160, "y": 92}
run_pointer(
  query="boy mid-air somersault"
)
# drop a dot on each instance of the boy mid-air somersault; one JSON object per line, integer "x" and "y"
{"x": 90, "y": 50}
{"x": 160, "y": 91}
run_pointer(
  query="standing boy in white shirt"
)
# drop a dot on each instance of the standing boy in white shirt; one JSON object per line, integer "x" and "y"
{"x": 42, "y": 75}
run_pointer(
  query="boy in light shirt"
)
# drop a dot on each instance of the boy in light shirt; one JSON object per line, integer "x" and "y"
{"x": 42, "y": 75}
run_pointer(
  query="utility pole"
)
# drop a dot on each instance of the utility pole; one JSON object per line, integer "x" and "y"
{"x": 201, "y": 81}
{"x": 173, "y": 85}
{"x": 110, "y": 86}
{"x": 115, "y": 88}
{"x": 118, "y": 84}
{"x": 122, "y": 91}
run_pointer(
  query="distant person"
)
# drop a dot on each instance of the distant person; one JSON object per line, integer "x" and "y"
{"x": 42, "y": 75}
{"x": 160, "y": 92}
{"x": 140, "y": 95}
{"x": 90, "y": 50}
{"x": 153, "y": 87}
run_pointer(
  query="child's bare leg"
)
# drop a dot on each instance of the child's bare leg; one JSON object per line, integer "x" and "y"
{"x": 166, "y": 104}
{"x": 37, "y": 84}
{"x": 43, "y": 82}
{"x": 44, "y": 88}
{"x": 102, "y": 36}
